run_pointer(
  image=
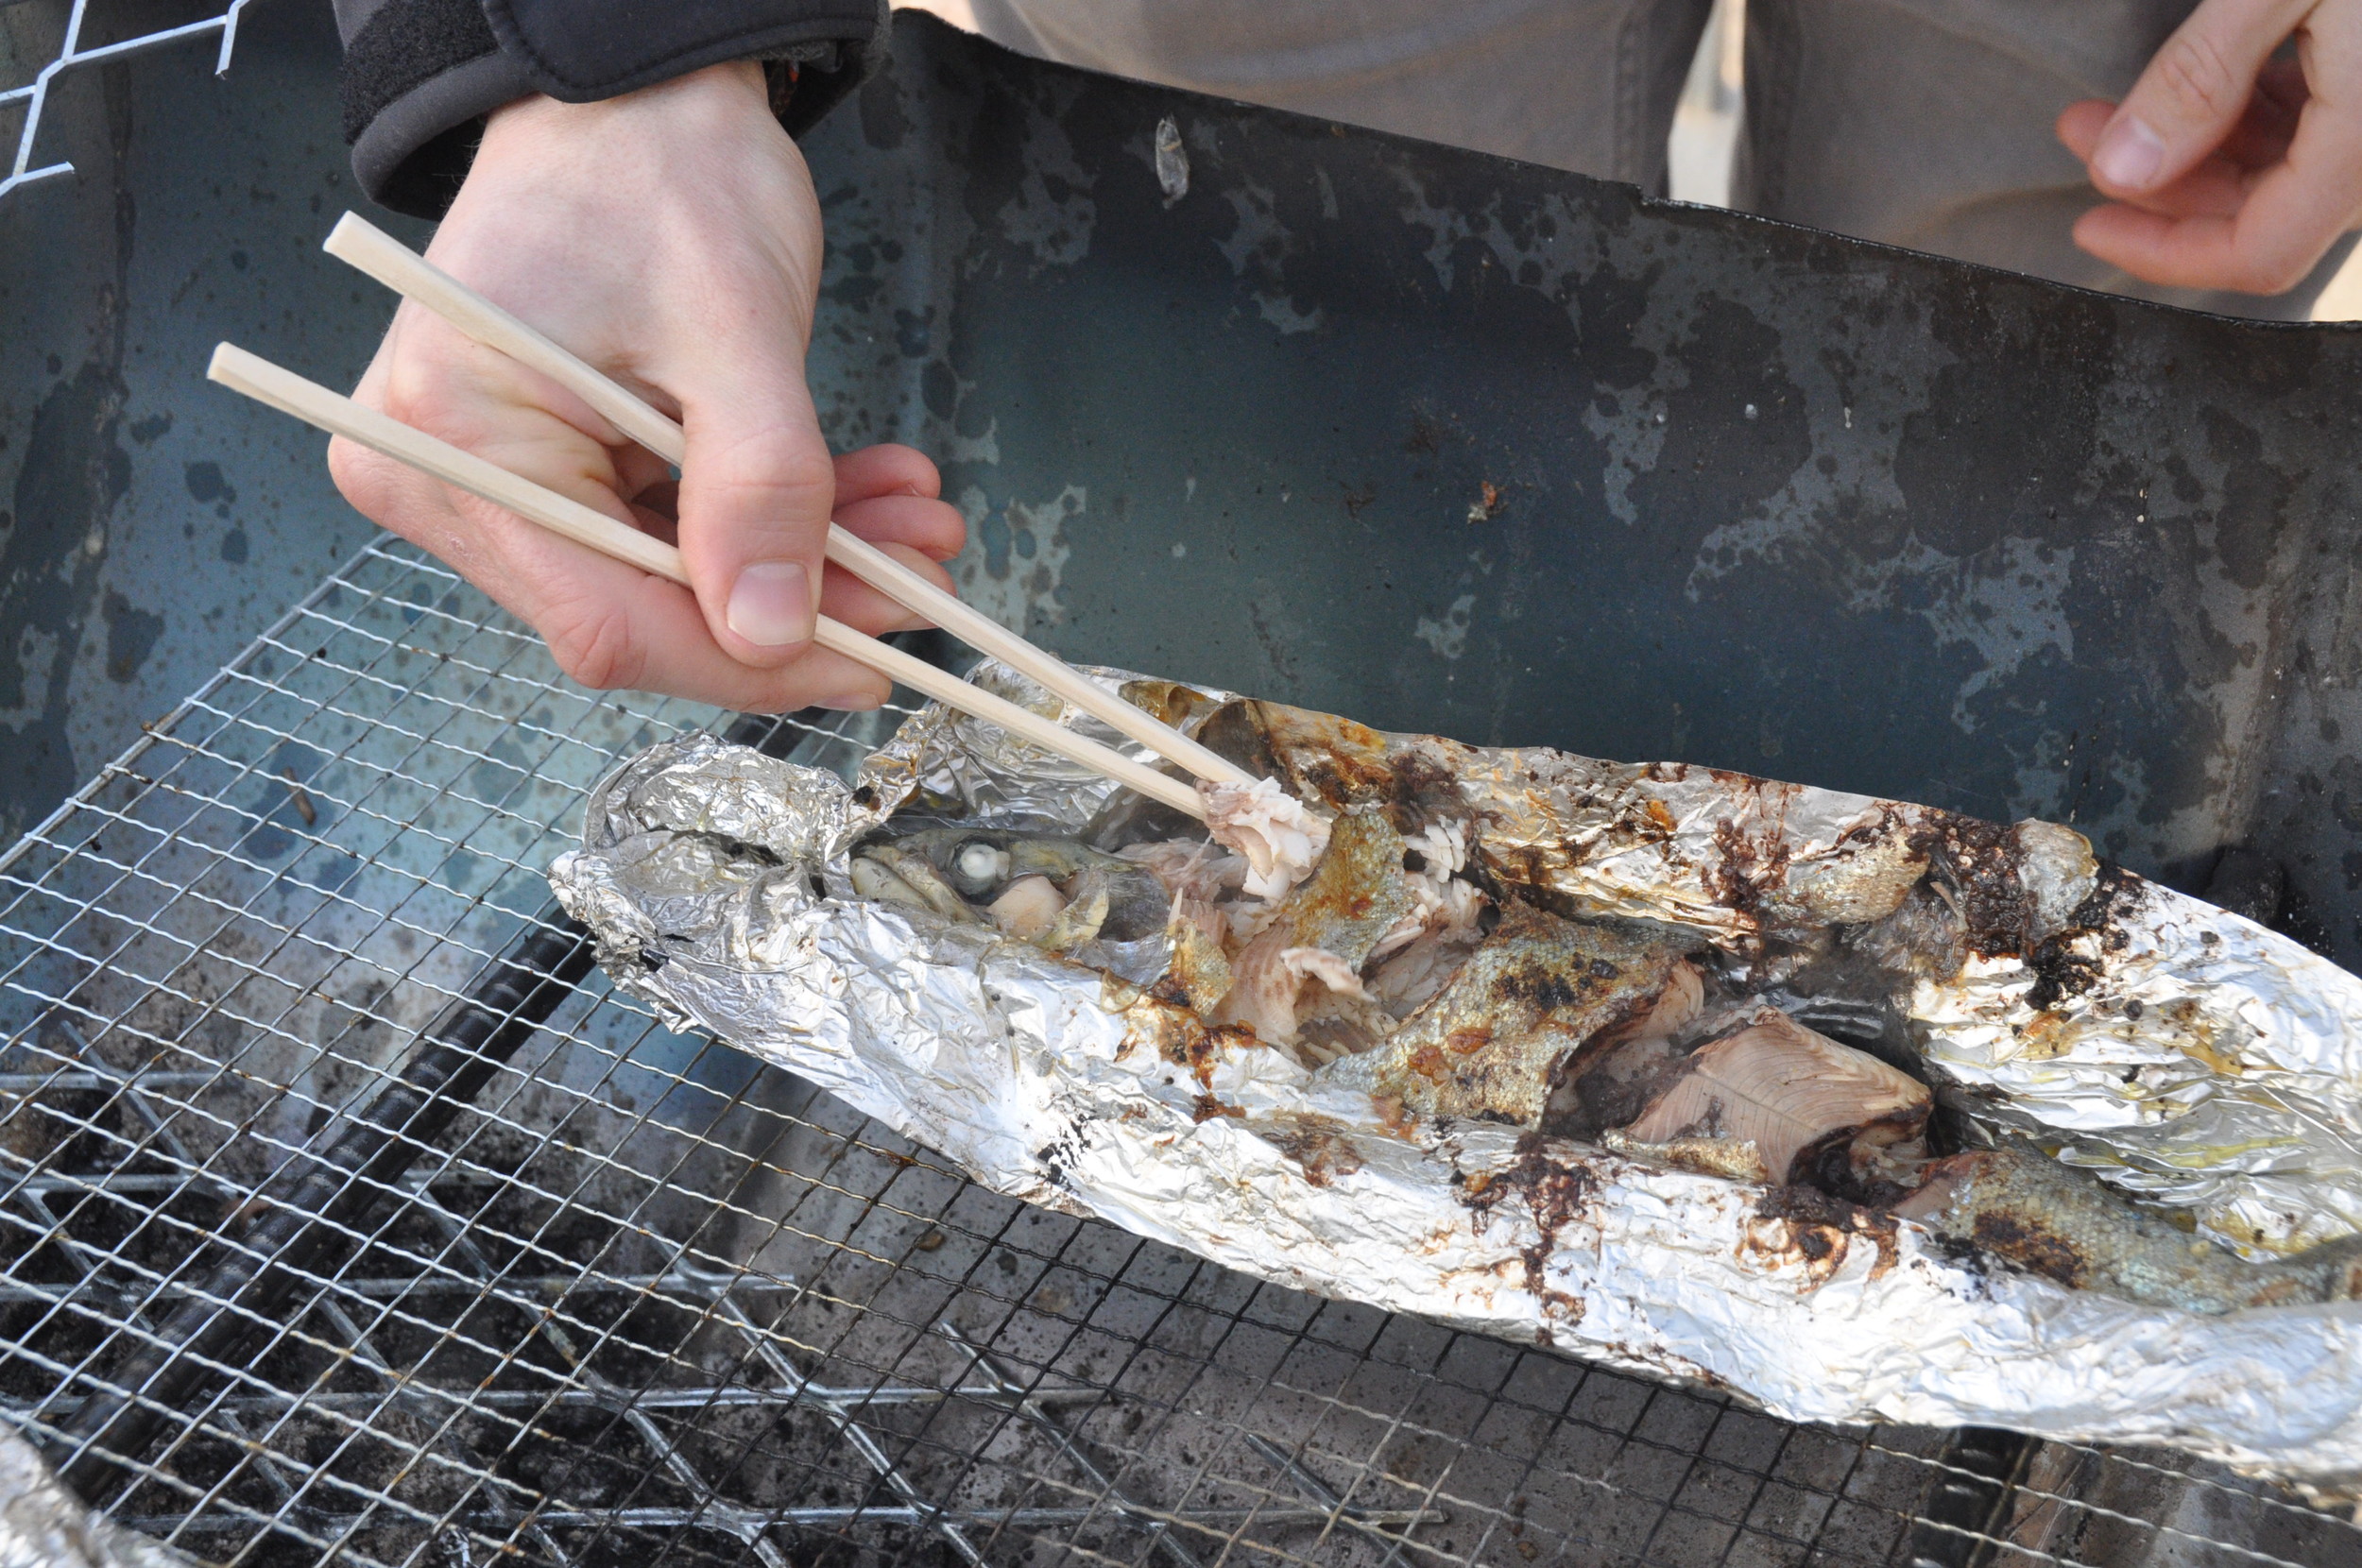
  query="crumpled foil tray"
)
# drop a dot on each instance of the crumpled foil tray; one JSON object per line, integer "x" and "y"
{"x": 2185, "y": 1053}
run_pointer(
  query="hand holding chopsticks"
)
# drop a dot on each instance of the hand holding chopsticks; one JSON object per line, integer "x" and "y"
{"x": 373, "y": 251}
{"x": 291, "y": 393}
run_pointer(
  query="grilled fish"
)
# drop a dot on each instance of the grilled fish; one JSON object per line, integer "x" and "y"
{"x": 1688, "y": 1070}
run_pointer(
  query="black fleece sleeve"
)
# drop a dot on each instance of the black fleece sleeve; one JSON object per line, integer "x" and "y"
{"x": 419, "y": 76}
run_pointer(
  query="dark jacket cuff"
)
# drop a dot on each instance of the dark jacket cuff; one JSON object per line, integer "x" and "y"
{"x": 419, "y": 76}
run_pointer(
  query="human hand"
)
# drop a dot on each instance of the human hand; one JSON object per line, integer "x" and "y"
{"x": 671, "y": 238}
{"x": 2230, "y": 165}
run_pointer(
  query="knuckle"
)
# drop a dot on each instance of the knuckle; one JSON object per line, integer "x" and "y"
{"x": 595, "y": 645}
{"x": 2194, "y": 70}
{"x": 776, "y": 449}
{"x": 363, "y": 479}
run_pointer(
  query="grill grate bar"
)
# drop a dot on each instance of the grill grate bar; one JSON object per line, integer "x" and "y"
{"x": 752, "y": 1522}
{"x": 1021, "y": 1403}
{"x": 73, "y": 54}
{"x": 1947, "y": 1474}
{"x": 856, "y": 1436}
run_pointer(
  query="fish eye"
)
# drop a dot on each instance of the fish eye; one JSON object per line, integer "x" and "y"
{"x": 979, "y": 864}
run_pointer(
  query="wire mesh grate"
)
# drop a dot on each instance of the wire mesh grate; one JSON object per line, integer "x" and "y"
{"x": 643, "y": 1299}
{"x": 91, "y": 34}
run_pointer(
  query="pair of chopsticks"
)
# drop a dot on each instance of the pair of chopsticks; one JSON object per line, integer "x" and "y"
{"x": 373, "y": 251}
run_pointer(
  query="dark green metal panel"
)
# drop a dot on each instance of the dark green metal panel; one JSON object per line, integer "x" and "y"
{"x": 150, "y": 524}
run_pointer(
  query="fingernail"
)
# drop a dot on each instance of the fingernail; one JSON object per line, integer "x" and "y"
{"x": 2130, "y": 154}
{"x": 771, "y": 605}
{"x": 852, "y": 702}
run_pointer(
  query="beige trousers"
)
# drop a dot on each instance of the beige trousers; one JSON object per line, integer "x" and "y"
{"x": 1919, "y": 123}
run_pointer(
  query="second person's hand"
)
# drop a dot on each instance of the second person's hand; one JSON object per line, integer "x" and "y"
{"x": 671, "y": 238}
{"x": 2230, "y": 165}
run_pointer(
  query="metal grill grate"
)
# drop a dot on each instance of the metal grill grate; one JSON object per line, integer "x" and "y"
{"x": 83, "y": 39}
{"x": 644, "y": 1300}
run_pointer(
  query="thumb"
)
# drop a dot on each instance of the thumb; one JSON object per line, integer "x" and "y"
{"x": 2192, "y": 93}
{"x": 755, "y": 490}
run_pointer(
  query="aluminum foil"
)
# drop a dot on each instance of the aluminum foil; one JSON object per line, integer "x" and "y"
{"x": 2178, "y": 1050}
{"x": 43, "y": 1525}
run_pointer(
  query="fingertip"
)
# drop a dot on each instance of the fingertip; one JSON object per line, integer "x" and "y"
{"x": 2079, "y": 124}
{"x": 770, "y": 611}
{"x": 935, "y": 528}
{"x": 886, "y": 469}
{"x": 2107, "y": 232}
{"x": 856, "y": 702}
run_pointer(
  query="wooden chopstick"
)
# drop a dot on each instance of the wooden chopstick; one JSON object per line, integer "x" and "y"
{"x": 289, "y": 393}
{"x": 356, "y": 241}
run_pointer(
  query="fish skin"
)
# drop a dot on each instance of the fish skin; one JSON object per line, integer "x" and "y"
{"x": 1539, "y": 987}
{"x": 2030, "y": 1211}
{"x": 918, "y": 873}
{"x": 1199, "y": 972}
{"x": 1355, "y": 895}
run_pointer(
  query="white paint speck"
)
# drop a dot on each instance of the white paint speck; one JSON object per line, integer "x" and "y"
{"x": 1179, "y": 550}
{"x": 1173, "y": 162}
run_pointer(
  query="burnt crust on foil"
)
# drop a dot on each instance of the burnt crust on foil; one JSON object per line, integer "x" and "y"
{"x": 2057, "y": 1149}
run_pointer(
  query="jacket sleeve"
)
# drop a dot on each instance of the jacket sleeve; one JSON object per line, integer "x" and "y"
{"x": 419, "y": 76}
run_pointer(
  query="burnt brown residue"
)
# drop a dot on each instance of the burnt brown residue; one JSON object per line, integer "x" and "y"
{"x": 1345, "y": 764}
{"x": 1820, "y": 1225}
{"x": 1748, "y": 873}
{"x": 1555, "y": 1190}
{"x": 1978, "y": 861}
{"x": 1177, "y": 1035}
{"x": 2061, "y": 966}
{"x": 1314, "y": 1143}
{"x": 2031, "y": 1246}
{"x": 1058, "y": 1155}
{"x": 1207, "y": 1108}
